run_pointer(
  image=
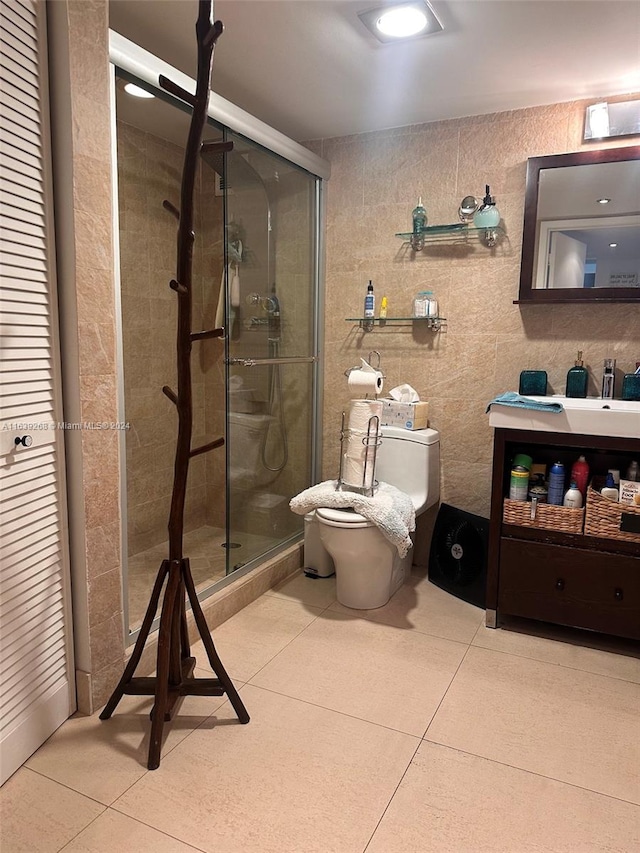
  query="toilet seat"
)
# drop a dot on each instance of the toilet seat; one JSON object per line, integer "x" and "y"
{"x": 346, "y": 517}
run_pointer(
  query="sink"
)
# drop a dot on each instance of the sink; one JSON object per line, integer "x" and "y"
{"x": 589, "y": 416}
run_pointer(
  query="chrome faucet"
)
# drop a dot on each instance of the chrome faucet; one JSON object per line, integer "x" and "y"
{"x": 608, "y": 378}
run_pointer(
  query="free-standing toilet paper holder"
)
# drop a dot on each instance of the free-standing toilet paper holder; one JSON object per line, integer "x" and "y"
{"x": 371, "y": 441}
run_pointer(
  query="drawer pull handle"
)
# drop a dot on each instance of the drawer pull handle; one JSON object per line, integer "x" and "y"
{"x": 560, "y": 584}
{"x": 618, "y": 594}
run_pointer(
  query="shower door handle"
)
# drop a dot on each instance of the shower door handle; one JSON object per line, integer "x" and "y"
{"x": 255, "y": 362}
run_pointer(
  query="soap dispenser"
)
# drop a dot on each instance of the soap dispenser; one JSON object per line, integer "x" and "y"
{"x": 577, "y": 379}
{"x": 487, "y": 215}
{"x": 419, "y": 218}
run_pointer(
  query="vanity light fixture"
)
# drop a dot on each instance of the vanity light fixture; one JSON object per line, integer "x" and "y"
{"x": 137, "y": 91}
{"x": 401, "y": 21}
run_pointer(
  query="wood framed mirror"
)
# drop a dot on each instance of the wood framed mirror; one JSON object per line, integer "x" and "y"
{"x": 581, "y": 237}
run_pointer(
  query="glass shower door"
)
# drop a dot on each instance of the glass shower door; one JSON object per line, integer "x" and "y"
{"x": 271, "y": 270}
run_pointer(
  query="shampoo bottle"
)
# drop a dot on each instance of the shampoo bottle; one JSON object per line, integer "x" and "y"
{"x": 369, "y": 308}
{"x": 577, "y": 379}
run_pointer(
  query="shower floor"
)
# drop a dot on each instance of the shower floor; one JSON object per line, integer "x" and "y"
{"x": 207, "y": 558}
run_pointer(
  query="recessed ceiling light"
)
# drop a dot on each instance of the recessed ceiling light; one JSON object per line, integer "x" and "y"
{"x": 603, "y": 200}
{"x": 402, "y": 21}
{"x": 397, "y": 21}
{"x": 612, "y": 245}
{"x": 137, "y": 91}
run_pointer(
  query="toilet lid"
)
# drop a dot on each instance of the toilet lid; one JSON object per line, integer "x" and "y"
{"x": 346, "y": 516}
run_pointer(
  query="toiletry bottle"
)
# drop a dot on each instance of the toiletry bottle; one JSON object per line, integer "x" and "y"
{"x": 383, "y": 308}
{"x": 609, "y": 490}
{"x": 556, "y": 484}
{"x": 369, "y": 308}
{"x": 580, "y": 475}
{"x": 419, "y": 217}
{"x": 608, "y": 378}
{"x": 487, "y": 215}
{"x": 633, "y": 471}
{"x": 577, "y": 379}
{"x": 573, "y": 497}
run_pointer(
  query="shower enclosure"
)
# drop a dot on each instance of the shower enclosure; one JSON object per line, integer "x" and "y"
{"x": 255, "y": 272}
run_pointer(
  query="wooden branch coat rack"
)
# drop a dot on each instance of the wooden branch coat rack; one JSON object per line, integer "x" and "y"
{"x": 175, "y": 665}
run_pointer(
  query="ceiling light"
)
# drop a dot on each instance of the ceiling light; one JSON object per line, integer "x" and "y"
{"x": 397, "y": 21}
{"x": 613, "y": 245}
{"x": 402, "y": 21}
{"x": 137, "y": 91}
{"x": 603, "y": 200}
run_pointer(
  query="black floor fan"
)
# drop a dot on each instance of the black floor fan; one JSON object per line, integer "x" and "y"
{"x": 458, "y": 556}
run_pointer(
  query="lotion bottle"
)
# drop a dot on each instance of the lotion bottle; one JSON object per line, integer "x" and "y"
{"x": 609, "y": 490}
{"x": 573, "y": 497}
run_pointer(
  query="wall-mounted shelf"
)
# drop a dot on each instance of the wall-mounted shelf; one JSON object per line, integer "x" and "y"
{"x": 367, "y": 323}
{"x": 444, "y": 233}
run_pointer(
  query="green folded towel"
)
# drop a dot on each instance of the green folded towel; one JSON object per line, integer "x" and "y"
{"x": 512, "y": 398}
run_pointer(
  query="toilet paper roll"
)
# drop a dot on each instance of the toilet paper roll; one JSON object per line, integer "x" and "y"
{"x": 363, "y": 382}
{"x": 354, "y": 473}
{"x": 360, "y": 411}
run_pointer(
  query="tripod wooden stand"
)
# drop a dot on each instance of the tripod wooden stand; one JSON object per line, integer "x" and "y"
{"x": 174, "y": 671}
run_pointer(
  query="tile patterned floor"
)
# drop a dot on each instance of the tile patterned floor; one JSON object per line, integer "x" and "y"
{"x": 408, "y": 729}
{"x": 207, "y": 559}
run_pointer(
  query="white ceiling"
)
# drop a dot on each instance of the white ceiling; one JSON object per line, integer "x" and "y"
{"x": 310, "y": 69}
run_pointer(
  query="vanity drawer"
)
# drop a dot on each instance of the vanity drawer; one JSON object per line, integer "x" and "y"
{"x": 570, "y": 586}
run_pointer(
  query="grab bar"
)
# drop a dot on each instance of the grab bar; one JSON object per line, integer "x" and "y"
{"x": 253, "y": 362}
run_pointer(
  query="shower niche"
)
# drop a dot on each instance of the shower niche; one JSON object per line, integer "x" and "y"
{"x": 255, "y": 272}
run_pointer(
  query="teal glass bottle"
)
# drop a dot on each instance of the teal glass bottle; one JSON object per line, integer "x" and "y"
{"x": 577, "y": 379}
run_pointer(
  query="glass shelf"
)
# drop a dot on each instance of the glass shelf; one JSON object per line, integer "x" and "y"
{"x": 367, "y": 323}
{"x": 440, "y": 233}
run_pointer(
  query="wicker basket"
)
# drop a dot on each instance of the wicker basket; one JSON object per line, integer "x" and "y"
{"x": 604, "y": 515}
{"x": 547, "y": 516}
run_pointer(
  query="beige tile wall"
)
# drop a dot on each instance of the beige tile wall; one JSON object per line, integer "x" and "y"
{"x": 80, "y": 93}
{"x": 375, "y": 182}
{"x": 149, "y": 171}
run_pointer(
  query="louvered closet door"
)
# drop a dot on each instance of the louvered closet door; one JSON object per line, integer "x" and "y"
{"x": 36, "y": 669}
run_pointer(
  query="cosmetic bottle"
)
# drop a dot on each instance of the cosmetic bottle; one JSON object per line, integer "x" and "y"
{"x": 487, "y": 215}
{"x": 419, "y": 217}
{"x": 369, "y": 308}
{"x": 556, "y": 484}
{"x": 609, "y": 490}
{"x": 383, "y": 309}
{"x": 580, "y": 474}
{"x": 577, "y": 379}
{"x": 608, "y": 378}
{"x": 573, "y": 497}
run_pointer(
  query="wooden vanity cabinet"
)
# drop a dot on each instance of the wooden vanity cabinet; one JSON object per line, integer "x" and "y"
{"x": 570, "y": 579}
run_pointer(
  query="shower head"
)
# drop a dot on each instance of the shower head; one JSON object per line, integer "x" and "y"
{"x": 235, "y": 172}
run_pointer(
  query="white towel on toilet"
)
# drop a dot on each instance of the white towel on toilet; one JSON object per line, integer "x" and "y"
{"x": 389, "y": 509}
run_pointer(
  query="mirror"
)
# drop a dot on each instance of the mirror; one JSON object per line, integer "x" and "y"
{"x": 581, "y": 239}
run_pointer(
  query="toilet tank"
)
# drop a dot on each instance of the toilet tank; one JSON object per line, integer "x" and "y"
{"x": 410, "y": 461}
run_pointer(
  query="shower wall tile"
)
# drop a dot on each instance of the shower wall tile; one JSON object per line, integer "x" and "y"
{"x": 487, "y": 340}
{"x": 91, "y": 321}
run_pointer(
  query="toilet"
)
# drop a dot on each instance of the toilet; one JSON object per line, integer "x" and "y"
{"x": 368, "y": 567}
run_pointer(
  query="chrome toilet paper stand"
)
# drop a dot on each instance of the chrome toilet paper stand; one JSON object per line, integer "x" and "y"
{"x": 372, "y": 441}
